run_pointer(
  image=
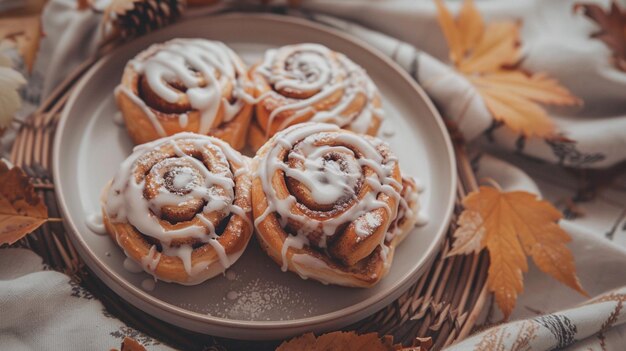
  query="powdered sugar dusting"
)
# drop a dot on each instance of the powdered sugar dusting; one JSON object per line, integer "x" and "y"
{"x": 230, "y": 275}
{"x": 232, "y": 295}
{"x": 261, "y": 300}
{"x": 368, "y": 223}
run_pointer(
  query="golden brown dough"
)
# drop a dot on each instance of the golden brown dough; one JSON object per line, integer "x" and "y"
{"x": 186, "y": 85}
{"x": 309, "y": 82}
{"x": 324, "y": 200}
{"x": 180, "y": 207}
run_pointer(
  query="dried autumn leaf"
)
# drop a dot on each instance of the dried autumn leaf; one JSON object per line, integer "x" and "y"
{"x": 612, "y": 29}
{"x": 25, "y": 32}
{"x": 130, "y": 344}
{"x": 512, "y": 225}
{"x": 339, "y": 341}
{"x": 487, "y": 55}
{"x": 469, "y": 235}
{"x": 21, "y": 210}
{"x": 83, "y": 4}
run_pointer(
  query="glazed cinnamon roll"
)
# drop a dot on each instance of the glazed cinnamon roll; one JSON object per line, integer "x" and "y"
{"x": 323, "y": 203}
{"x": 186, "y": 85}
{"x": 309, "y": 82}
{"x": 180, "y": 207}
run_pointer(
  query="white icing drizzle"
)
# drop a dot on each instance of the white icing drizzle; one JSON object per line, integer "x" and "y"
{"x": 183, "y": 120}
{"x": 132, "y": 266}
{"x": 208, "y": 70}
{"x": 148, "y": 284}
{"x": 95, "y": 224}
{"x": 303, "y": 142}
{"x": 190, "y": 180}
{"x": 320, "y": 72}
{"x": 388, "y": 131}
{"x": 118, "y": 119}
{"x": 409, "y": 208}
{"x": 150, "y": 262}
{"x": 230, "y": 275}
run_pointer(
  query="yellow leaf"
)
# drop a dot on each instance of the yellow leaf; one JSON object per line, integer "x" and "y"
{"x": 450, "y": 32}
{"x": 498, "y": 47}
{"x": 472, "y": 22}
{"x": 25, "y": 32}
{"x": 488, "y": 56}
{"x": 338, "y": 341}
{"x": 536, "y": 87}
{"x": 517, "y": 224}
{"x": 21, "y": 210}
{"x": 518, "y": 113}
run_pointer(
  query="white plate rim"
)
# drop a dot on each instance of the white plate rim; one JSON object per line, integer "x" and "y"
{"x": 138, "y": 296}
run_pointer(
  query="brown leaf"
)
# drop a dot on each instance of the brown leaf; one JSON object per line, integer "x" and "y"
{"x": 83, "y": 4}
{"x": 468, "y": 237}
{"x": 612, "y": 31}
{"x": 338, "y": 341}
{"x": 513, "y": 225}
{"x": 488, "y": 56}
{"x": 21, "y": 209}
{"x": 25, "y": 32}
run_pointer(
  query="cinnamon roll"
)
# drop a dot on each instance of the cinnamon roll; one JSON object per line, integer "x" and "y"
{"x": 180, "y": 207}
{"x": 324, "y": 200}
{"x": 186, "y": 85}
{"x": 309, "y": 82}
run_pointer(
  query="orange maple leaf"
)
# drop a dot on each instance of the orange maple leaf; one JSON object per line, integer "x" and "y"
{"x": 21, "y": 209}
{"x": 339, "y": 340}
{"x": 512, "y": 225}
{"x": 487, "y": 55}
{"x": 130, "y": 344}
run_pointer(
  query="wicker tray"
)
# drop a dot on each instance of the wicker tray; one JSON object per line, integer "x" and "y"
{"x": 443, "y": 305}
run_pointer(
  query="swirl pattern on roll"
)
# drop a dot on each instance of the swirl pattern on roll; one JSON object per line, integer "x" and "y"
{"x": 309, "y": 82}
{"x": 193, "y": 85}
{"x": 180, "y": 207}
{"x": 330, "y": 194}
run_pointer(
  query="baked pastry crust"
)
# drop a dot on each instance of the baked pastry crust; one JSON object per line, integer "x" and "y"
{"x": 309, "y": 82}
{"x": 180, "y": 207}
{"x": 186, "y": 85}
{"x": 324, "y": 200}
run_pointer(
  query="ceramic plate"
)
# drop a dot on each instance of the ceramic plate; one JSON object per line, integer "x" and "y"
{"x": 254, "y": 299}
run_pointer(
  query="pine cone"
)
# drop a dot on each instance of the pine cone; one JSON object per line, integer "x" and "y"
{"x": 130, "y": 18}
